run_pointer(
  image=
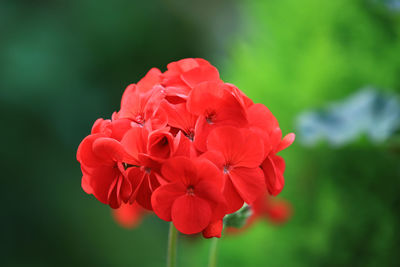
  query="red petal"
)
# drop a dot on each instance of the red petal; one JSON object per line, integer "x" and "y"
{"x": 119, "y": 127}
{"x": 240, "y": 147}
{"x": 163, "y": 198}
{"x": 109, "y": 150}
{"x": 125, "y": 190}
{"x": 202, "y": 131}
{"x": 214, "y": 229}
{"x": 135, "y": 141}
{"x": 146, "y": 189}
{"x": 102, "y": 180}
{"x": 279, "y": 211}
{"x": 216, "y": 98}
{"x": 183, "y": 146}
{"x": 135, "y": 176}
{"x": 261, "y": 117}
{"x": 180, "y": 169}
{"x": 201, "y": 74}
{"x": 275, "y": 137}
{"x": 279, "y": 163}
{"x": 286, "y": 142}
{"x": 128, "y": 215}
{"x": 176, "y": 95}
{"x": 183, "y": 65}
{"x": 85, "y": 184}
{"x": 208, "y": 172}
{"x": 249, "y": 182}
{"x": 230, "y": 111}
{"x": 190, "y": 214}
{"x": 85, "y": 153}
{"x": 100, "y": 126}
{"x": 232, "y": 197}
{"x": 179, "y": 117}
{"x": 211, "y": 192}
{"x": 152, "y": 78}
{"x": 273, "y": 167}
{"x": 215, "y": 157}
{"x": 160, "y": 144}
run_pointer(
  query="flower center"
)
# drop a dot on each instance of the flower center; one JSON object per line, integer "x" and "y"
{"x": 227, "y": 168}
{"x": 190, "y": 134}
{"x": 139, "y": 119}
{"x": 147, "y": 170}
{"x": 190, "y": 190}
{"x": 211, "y": 116}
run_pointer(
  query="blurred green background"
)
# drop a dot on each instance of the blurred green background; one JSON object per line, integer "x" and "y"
{"x": 63, "y": 64}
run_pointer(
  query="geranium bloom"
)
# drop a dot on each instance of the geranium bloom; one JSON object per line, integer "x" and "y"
{"x": 267, "y": 208}
{"x": 182, "y": 76}
{"x": 128, "y": 215}
{"x": 266, "y": 126}
{"x": 146, "y": 149}
{"x": 186, "y": 145}
{"x": 238, "y": 153}
{"x": 276, "y": 211}
{"x": 142, "y": 107}
{"x": 101, "y": 157}
{"x": 216, "y": 106}
{"x": 192, "y": 199}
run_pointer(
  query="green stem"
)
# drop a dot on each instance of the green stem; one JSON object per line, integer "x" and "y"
{"x": 172, "y": 238}
{"x": 212, "y": 259}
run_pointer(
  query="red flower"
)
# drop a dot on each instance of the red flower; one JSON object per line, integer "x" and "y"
{"x": 192, "y": 199}
{"x": 216, "y": 106}
{"x": 238, "y": 153}
{"x": 184, "y": 75}
{"x": 148, "y": 151}
{"x": 101, "y": 157}
{"x": 277, "y": 211}
{"x": 186, "y": 145}
{"x": 128, "y": 215}
{"x": 142, "y": 107}
{"x": 214, "y": 229}
{"x": 266, "y": 126}
{"x": 179, "y": 118}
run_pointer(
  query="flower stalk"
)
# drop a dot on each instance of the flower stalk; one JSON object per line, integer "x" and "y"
{"x": 172, "y": 241}
{"x": 212, "y": 258}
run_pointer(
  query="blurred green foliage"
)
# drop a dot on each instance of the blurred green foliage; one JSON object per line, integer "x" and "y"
{"x": 298, "y": 55}
{"x": 65, "y": 63}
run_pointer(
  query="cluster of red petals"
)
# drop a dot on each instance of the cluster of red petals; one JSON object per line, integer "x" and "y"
{"x": 187, "y": 146}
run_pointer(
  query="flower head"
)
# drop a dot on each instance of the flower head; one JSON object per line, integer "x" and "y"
{"x": 187, "y": 146}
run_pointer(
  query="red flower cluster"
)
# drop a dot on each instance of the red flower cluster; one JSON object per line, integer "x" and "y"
{"x": 275, "y": 211}
{"x": 187, "y": 146}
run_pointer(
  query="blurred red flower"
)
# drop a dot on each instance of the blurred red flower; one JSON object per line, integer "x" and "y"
{"x": 129, "y": 215}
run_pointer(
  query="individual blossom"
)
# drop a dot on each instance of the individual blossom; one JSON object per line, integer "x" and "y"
{"x": 216, "y": 106}
{"x": 142, "y": 107}
{"x": 101, "y": 156}
{"x": 148, "y": 149}
{"x": 129, "y": 215}
{"x": 264, "y": 123}
{"x": 275, "y": 211}
{"x": 238, "y": 154}
{"x": 192, "y": 199}
{"x": 183, "y": 75}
